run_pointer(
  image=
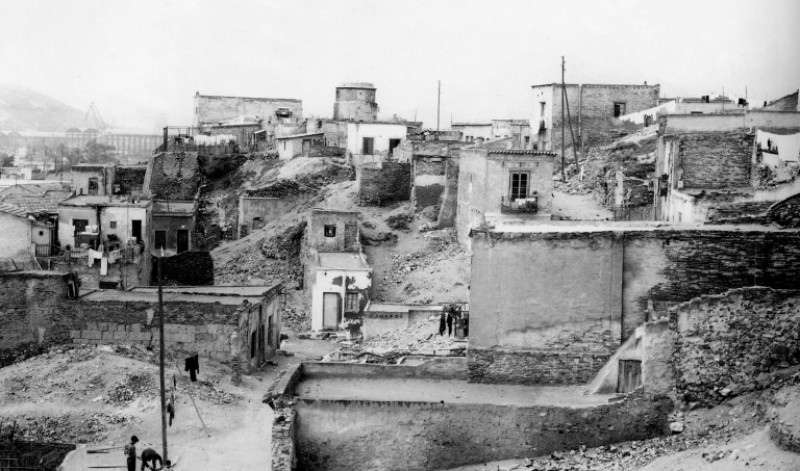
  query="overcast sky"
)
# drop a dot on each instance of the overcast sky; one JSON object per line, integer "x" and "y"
{"x": 142, "y": 61}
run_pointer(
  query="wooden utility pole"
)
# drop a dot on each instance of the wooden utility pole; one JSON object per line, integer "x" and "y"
{"x": 563, "y": 100}
{"x": 438, "y": 104}
{"x": 161, "y": 358}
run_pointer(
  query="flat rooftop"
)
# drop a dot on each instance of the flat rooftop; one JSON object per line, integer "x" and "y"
{"x": 448, "y": 391}
{"x": 342, "y": 260}
{"x": 151, "y": 296}
{"x": 544, "y": 227}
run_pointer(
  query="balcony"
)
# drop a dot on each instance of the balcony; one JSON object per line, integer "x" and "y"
{"x": 528, "y": 205}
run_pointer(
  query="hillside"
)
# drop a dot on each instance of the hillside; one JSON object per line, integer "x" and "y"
{"x": 22, "y": 109}
{"x": 410, "y": 265}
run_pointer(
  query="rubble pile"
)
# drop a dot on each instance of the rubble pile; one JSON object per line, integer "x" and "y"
{"x": 131, "y": 387}
{"x": 422, "y": 337}
{"x": 66, "y": 428}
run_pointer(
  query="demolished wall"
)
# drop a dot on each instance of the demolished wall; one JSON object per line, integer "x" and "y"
{"x": 729, "y": 344}
{"x": 715, "y": 159}
{"x": 553, "y": 307}
{"x": 384, "y": 183}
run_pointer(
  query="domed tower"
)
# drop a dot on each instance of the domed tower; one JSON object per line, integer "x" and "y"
{"x": 355, "y": 101}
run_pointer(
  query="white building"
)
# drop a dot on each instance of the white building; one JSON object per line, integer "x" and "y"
{"x": 376, "y": 138}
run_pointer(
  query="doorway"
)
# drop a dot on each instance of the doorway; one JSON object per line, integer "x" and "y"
{"x": 183, "y": 240}
{"x": 331, "y": 310}
{"x": 136, "y": 229}
{"x": 630, "y": 375}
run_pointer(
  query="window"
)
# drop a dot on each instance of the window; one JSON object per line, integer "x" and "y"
{"x": 393, "y": 143}
{"x": 161, "y": 239}
{"x": 80, "y": 224}
{"x": 519, "y": 185}
{"x": 330, "y": 230}
{"x": 41, "y": 233}
{"x": 258, "y": 223}
{"x": 527, "y": 140}
{"x": 351, "y": 301}
{"x": 368, "y": 146}
{"x": 113, "y": 224}
{"x": 619, "y": 109}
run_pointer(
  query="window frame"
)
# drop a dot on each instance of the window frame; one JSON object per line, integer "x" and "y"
{"x": 527, "y": 191}
{"x": 351, "y": 301}
{"x": 329, "y": 230}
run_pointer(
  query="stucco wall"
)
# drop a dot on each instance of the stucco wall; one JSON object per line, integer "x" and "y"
{"x": 345, "y": 239}
{"x": 66, "y": 231}
{"x": 473, "y": 132}
{"x": 380, "y": 132}
{"x": 266, "y": 208}
{"x": 341, "y": 282}
{"x": 554, "y": 296}
{"x": 16, "y": 237}
{"x": 123, "y": 217}
{"x": 214, "y": 109}
{"x": 484, "y": 182}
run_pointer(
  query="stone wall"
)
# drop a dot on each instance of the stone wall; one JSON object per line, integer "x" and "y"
{"x": 212, "y": 340}
{"x": 729, "y": 344}
{"x": 384, "y": 183}
{"x": 532, "y": 367}
{"x": 28, "y": 300}
{"x": 741, "y": 212}
{"x": 367, "y": 435}
{"x": 786, "y": 213}
{"x": 715, "y": 159}
{"x": 579, "y": 295}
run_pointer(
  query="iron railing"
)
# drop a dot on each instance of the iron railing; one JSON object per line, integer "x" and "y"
{"x": 519, "y": 206}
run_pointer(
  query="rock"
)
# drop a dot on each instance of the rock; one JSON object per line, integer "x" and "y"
{"x": 676, "y": 427}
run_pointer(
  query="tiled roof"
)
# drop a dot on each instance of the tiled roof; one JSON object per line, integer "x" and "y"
{"x": 520, "y": 152}
{"x": 46, "y": 202}
{"x": 14, "y": 210}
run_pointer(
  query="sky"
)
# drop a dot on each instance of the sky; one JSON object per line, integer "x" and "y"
{"x": 142, "y": 61}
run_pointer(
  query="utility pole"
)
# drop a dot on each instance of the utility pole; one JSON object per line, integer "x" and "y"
{"x": 563, "y": 97}
{"x": 161, "y": 357}
{"x": 438, "y": 104}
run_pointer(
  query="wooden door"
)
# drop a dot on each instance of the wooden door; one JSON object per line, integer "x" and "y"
{"x": 331, "y": 310}
{"x": 630, "y": 375}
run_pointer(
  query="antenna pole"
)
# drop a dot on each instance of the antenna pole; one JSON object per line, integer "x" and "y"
{"x": 563, "y": 96}
{"x": 438, "y": 104}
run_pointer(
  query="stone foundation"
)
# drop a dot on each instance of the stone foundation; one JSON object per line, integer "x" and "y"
{"x": 533, "y": 367}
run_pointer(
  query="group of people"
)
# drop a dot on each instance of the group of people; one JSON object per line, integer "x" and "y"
{"x": 451, "y": 321}
{"x": 150, "y": 458}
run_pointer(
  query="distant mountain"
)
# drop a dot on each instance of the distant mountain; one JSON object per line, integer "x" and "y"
{"x": 22, "y": 109}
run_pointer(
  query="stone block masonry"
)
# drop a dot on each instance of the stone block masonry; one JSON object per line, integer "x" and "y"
{"x": 715, "y": 159}
{"x": 730, "y": 343}
{"x": 384, "y": 184}
{"x": 532, "y": 367}
{"x": 186, "y": 338}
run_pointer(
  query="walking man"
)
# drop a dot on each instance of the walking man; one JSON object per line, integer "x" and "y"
{"x": 130, "y": 453}
{"x": 441, "y": 324}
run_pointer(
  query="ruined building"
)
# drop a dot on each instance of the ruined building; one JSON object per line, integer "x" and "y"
{"x": 588, "y": 103}
{"x": 336, "y": 272}
{"x": 215, "y": 109}
{"x": 726, "y": 168}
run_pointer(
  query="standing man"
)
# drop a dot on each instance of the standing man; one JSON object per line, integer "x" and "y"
{"x": 130, "y": 453}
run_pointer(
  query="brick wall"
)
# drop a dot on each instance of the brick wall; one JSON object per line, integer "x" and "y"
{"x": 715, "y": 160}
{"x": 384, "y": 184}
{"x": 729, "y": 344}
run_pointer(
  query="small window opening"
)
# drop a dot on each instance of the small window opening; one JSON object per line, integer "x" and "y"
{"x": 330, "y": 230}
